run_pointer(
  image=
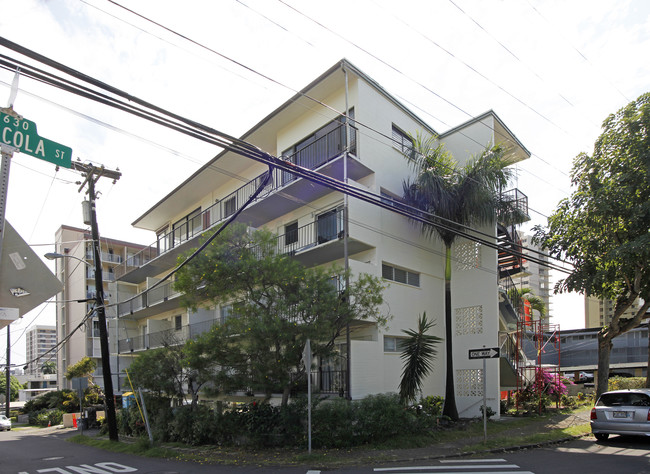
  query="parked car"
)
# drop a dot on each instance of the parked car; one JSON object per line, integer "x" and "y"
{"x": 621, "y": 412}
{"x": 582, "y": 377}
{"x": 5, "y": 423}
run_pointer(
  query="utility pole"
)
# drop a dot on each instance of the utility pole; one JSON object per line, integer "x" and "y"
{"x": 92, "y": 175}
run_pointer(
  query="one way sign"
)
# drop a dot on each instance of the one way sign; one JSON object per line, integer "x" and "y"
{"x": 487, "y": 353}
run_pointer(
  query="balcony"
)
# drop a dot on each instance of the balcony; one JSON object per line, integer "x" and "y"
{"x": 284, "y": 193}
{"x": 159, "y": 299}
{"x": 105, "y": 256}
{"x": 166, "y": 337}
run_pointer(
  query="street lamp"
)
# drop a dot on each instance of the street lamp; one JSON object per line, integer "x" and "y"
{"x": 111, "y": 418}
{"x": 55, "y": 255}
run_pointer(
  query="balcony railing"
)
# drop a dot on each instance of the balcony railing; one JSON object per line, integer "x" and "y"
{"x": 324, "y": 229}
{"x": 105, "y": 256}
{"x": 165, "y": 337}
{"x": 514, "y": 207}
{"x": 313, "y": 156}
{"x": 152, "y": 297}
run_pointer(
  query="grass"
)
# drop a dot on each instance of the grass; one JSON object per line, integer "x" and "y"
{"x": 464, "y": 437}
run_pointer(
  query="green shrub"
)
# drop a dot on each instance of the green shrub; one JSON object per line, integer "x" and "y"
{"x": 376, "y": 418}
{"x": 432, "y": 405}
{"x": 622, "y": 383}
{"x": 46, "y": 417}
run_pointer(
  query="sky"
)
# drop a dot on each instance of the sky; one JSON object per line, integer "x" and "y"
{"x": 552, "y": 70}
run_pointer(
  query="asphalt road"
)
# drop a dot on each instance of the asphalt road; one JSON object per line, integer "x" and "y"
{"x": 31, "y": 451}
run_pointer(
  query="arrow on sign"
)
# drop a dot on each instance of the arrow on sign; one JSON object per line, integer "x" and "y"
{"x": 489, "y": 353}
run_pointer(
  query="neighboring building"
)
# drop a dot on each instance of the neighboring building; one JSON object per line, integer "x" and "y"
{"x": 536, "y": 275}
{"x": 40, "y": 345}
{"x": 307, "y": 219}
{"x": 578, "y": 351}
{"x": 599, "y": 312}
{"x": 79, "y": 334}
{"x": 36, "y": 384}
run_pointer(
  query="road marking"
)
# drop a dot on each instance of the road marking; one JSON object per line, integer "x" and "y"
{"x": 98, "y": 468}
{"x": 437, "y": 468}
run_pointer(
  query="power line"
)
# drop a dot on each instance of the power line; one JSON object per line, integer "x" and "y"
{"x": 302, "y": 94}
{"x": 211, "y": 135}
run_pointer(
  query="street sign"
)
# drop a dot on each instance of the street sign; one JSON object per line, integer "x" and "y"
{"x": 21, "y": 134}
{"x": 488, "y": 353}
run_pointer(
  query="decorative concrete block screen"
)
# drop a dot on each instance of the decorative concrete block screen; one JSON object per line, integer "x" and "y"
{"x": 468, "y": 255}
{"x": 469, "y": 320}
{"x": 469, "y": 382}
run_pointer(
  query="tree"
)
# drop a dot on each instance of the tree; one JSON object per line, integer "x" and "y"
{"x": 15, "y": 387}
{"x": 276, "y": 304}
{"x": 536, "y": 303}
{"x": 602, "y": 228}
{"x": 49, "y": 367}
{"x": 173, "y": 370}
{"x": 452, "y": 197}
{"x": 84, "y": 368}
{"x": 418, "y": 352}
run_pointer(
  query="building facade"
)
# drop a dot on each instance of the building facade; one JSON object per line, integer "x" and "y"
{"x": 599, "y": 312}
{"x": 308, "y": 221}
{"x": 76, "y": 322}
{"x": 40, "y": 343}
{"x": 537, "y": 275}
{"x": 577, "y": 350}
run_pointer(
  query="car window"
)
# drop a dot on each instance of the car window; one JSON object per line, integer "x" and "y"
{"x": 624, "y": 399}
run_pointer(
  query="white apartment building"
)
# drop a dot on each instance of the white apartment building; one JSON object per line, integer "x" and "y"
{"x": 76, "y": 323}
{"x": 536, "y": 275}
{"x": 307, "y": 219}
{"x": 40, "y": 343}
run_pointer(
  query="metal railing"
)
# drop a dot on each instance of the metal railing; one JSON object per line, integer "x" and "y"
{"x": 152, "y": 297}
{"x": 314, "y": 155}
{"x": 512, "y": 293}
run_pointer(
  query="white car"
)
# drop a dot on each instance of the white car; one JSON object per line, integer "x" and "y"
{"x": 5, "y": 423}
{"x": 621, "y": 412}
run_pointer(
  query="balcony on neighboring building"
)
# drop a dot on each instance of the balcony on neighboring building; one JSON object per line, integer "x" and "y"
{"x": 284, "y": 193}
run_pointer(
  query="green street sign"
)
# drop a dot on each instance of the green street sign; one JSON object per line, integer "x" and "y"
{"x": 21, "y": 134}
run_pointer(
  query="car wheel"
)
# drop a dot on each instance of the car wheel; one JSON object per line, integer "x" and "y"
{"x": 601, "y": 436}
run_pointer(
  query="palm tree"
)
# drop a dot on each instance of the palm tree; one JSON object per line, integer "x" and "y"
{"x": 536, "y": 303}
{"x": 49, "y": 367}
{"x": 418, "y": 353}
{"x": 452, "y": 197}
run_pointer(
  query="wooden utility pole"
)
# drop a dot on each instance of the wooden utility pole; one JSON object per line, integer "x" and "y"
{"x": 92, "y": 175}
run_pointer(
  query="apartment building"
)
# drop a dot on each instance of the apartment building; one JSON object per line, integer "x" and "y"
{"x": 536, "y": 275}
{"x": 599, "y": 312}
{"x": 308, "y": 221}
{"x": 40, "y": 343}
{"x": 76, "y": 323}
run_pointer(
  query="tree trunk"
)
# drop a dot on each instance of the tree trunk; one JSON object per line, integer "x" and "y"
{"x": 449, "y": 409}
{"x": 604, "y": 350}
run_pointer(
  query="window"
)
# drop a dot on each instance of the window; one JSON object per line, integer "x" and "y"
{"x": 178, "y": 322}
{"x": 400, "y": 275}
{"x": 392, "y": 344}
{"x": 291, "y": 233}
{"x": 229, "y": 206}
{"x": 96, "y": 328}
{"x": 329, "y": 225}
{"x": 401, "y": 141}
{"x": 227, "y": 311}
